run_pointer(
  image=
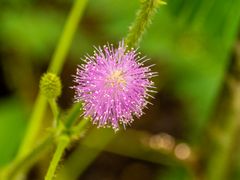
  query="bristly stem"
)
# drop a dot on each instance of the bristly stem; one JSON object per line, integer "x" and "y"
{"x": 61, "y": 146}
{"x": 63, "y": 142}
{"x": 143, "y": 20}
{"x": 55, "y": 67}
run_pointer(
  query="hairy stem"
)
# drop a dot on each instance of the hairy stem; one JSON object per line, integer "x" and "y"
{"x": 143, "y": 20}
{"x": 61, "y": 146}
{"x": 64, "y": 140}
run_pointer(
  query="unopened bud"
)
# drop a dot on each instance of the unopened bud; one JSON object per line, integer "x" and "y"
{"x": 50, "y": 86}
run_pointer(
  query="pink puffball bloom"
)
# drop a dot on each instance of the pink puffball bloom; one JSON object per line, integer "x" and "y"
{"x": 113, "y": 85}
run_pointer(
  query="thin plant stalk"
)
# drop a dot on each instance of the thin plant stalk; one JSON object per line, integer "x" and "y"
{"x": 70, "y": 28}
{"x": 33, "y": 126}
{"x": 55, "y": 67}
{"x": 61, "y": 146}
{"x": 63, "y": 142}
{"x": 55, "y": 110}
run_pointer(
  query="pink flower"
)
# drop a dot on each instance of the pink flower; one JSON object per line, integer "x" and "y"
{"x": 113, "y": 85}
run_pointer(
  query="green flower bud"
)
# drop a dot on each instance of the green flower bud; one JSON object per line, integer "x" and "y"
{"x": 50, "y": 86}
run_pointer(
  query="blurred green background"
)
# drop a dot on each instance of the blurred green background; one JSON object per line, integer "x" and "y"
{"x": 190, "y": 41}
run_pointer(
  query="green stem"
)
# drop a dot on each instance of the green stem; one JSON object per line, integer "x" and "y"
{"x": 56, "y": 67}
{"x": 55, "y": 110}
{"x": 67, "y": 36}
{"x": 62, "y": 145}
{"x": 142, "y": 21}
{"x": 64, "y": 141}
{"x": 83, "y": 156}
{"x": 33, "y": 126}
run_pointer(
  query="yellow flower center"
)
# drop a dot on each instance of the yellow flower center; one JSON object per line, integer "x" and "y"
{"x": 116, "y": 79}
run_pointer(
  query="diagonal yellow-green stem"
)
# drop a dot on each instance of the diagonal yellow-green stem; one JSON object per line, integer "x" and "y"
{"x": 67, "y": 36}
{"x": 33, "y": 126}
{"x": 55, "y": 67}
{"x": 55, "y": 111}
{"x": 61, "y": 146}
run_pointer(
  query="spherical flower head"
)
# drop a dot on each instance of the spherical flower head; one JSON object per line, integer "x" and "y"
{"x": 50, "y": 86}
{"x": 113, "y": 85}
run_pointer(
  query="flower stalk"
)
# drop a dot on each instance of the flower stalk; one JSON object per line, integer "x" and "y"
{"x": 51, "y": 88}
{"x": 64, "y": 139}
{"x": 63, "y": 142}
{"x": 55, "y": 110}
